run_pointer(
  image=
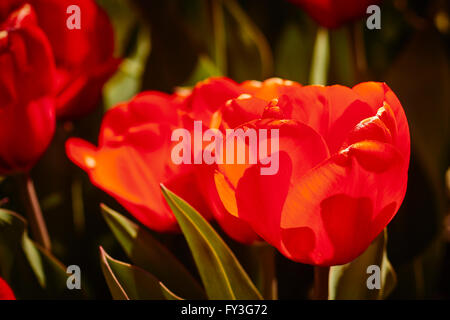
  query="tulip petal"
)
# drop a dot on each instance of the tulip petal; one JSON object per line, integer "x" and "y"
{"x": 260, "y": 198}
{"x": 354, "y": 202}
{"x": 5, "y": 291}
{"x": 378, "y": 94}
{"x": 270, "y": 89}
{"x": 210, "y": 95}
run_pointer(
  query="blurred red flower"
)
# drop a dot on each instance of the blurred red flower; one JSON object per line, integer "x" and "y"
{"x": 27, "y": 77}
{"x": 5, "y": 291}
{"x": 334, "y": 13}
{"x": 84, "y": 57}
{"x": 134, "y": 157}
{"x": 343, "y": 163}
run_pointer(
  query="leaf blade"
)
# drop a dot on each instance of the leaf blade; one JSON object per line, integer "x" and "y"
{"x": 349, "y": 281}
{"x": 148, "y": 253}
{"x": 221, "y": 273}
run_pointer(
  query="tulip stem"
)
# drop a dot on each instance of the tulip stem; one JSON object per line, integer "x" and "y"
{"x": 359, "y": 52}
{"x": 220, "y": 50}
{"x": 35, "y": 218}
{"x": 262, "y": 265}
{"x": 321, "y": 276}
{"x": 321, "y": 58}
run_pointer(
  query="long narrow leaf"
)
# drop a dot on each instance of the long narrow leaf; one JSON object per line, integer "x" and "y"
{"x": 148, "y": 253}
{"x": 127, "y": 282}
{"x": 221, "y": 273}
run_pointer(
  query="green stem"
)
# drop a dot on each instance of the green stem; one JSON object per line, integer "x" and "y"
{"x": 35, "y": 218}
{"x": 77, "y": 205}
{"x": 321, "y": 58}
{"x": 321, "y": 277}
{"x": 262, "y": 258}
{"x": 359, "y": 53}
{"x": 220, "y": 50}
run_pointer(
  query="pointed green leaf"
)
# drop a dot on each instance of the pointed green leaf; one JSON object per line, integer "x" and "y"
{"x": 169, "y": 295}
{"x": 12, "y": 228}
{"x": 146, "y": 252}
{"x": 32, "y": 271}
{"x": 50, "y": 273}
{"x": 127, "y": 282}
{"x": 221, "y": 273}
{"x": 349, "y": 281}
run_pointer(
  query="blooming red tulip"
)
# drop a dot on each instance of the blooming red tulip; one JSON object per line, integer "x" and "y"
{"x": 5, "y": 291}
{"x": 134, "y": 157}
{"x": 334, "y": 13}
{"x": 84, "y": 57}
{"x": 343, "y": 162}
{"x": 27, "y": 115}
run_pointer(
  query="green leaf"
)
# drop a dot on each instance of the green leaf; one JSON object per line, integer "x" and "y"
{"x": 349, "y": 281}
{"x": 127, "y": 282}
{"x": 205, "y": 68}
{"x": 127, "y": 81}
{"x": 293, "y": 52}
{"x": 221, "y": 273}
{"x": 169, "y": 295}
{"x": 12, "y": 228}
{"x": 251, "y": 35}
{"x": 133, "y": 44}
{"x": 146, "y": 252}
{"x": 321, "y": 58}
{"x": 49, "y": 271}
{"x": 32, "y": 271}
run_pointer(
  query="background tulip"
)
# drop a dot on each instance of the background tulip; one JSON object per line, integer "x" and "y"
{"x": 334, "y": 13}
{"x": 5, "y": 291}
{"x": 84, "y": 57}
{"x": 27, "y": 113}
{"x": 344, "y": 156}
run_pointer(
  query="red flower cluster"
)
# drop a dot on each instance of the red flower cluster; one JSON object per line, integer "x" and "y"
{"x": 343, "y": 153}
{"x": 334, "y": 13}
{"x": 47, "y": 71}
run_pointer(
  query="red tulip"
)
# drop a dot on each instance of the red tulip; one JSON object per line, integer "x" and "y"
{"x": 27, "y": 116}
{"x": 5, "y": 291}
{"x": 224, "y": 97}
{"x": 334, "y": 13}
{"x": 343, "y": 163}
{"x": 84, "y": 57}
{"x": 134, "y": 157}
